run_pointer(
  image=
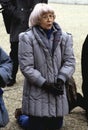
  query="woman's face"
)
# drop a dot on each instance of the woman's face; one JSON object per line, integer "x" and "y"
{"x": 46, "y": 20}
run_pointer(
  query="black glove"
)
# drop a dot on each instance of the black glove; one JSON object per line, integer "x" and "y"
{"x": 59, "y": 86}
{"x": 2, "y": 83}
{"x": 51, "y": 87}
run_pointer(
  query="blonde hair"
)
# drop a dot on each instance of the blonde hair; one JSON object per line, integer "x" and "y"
{"x": 38, "y": 11}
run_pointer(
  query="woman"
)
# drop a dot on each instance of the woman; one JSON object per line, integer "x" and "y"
{"x": 46, "y": 60}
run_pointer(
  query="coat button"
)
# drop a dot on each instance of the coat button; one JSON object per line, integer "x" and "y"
{"x": 22, "y": 9}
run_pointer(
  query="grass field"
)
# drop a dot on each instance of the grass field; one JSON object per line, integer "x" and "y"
{"x": 72, "y": 19}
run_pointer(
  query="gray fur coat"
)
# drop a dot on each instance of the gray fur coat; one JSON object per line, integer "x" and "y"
{"x": 44, "y": 59}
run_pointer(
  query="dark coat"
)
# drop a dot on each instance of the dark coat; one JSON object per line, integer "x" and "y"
{"x": 19, "y": 11}
{"x": 84, "y": 68}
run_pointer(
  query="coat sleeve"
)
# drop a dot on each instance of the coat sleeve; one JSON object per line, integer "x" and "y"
{"x": 26, "y": 61}
{"x": 68, "y": 58}
{"x": 10, "y": 8}
{"x": 5, "y": 66}
{"x": 7, "y": 5}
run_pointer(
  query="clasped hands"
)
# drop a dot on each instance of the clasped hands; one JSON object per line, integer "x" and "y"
{"x": 54, "y": 88}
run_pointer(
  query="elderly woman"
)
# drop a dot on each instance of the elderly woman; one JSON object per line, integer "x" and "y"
{"x": 46, "y": 60}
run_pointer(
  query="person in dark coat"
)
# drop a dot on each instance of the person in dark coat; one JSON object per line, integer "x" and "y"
{"x": 84, "y": 67}
{"x": 82, "y": 101}
{"x": 19, "y": 11}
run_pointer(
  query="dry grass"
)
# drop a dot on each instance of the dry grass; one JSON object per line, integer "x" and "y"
{"x": 72, "y": 19}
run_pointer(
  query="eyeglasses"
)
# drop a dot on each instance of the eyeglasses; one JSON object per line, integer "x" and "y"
{"x": 46, "y": 17}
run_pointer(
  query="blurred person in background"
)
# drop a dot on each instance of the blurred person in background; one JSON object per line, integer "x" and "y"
{"x": 46, "y": 60}
{"x": 5, "y": 76}
{"x": 16, "y": 14}
{"x": 84, "y": 67}
{"x": 5, "y": 68}
{"x": 82, "y": 101}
